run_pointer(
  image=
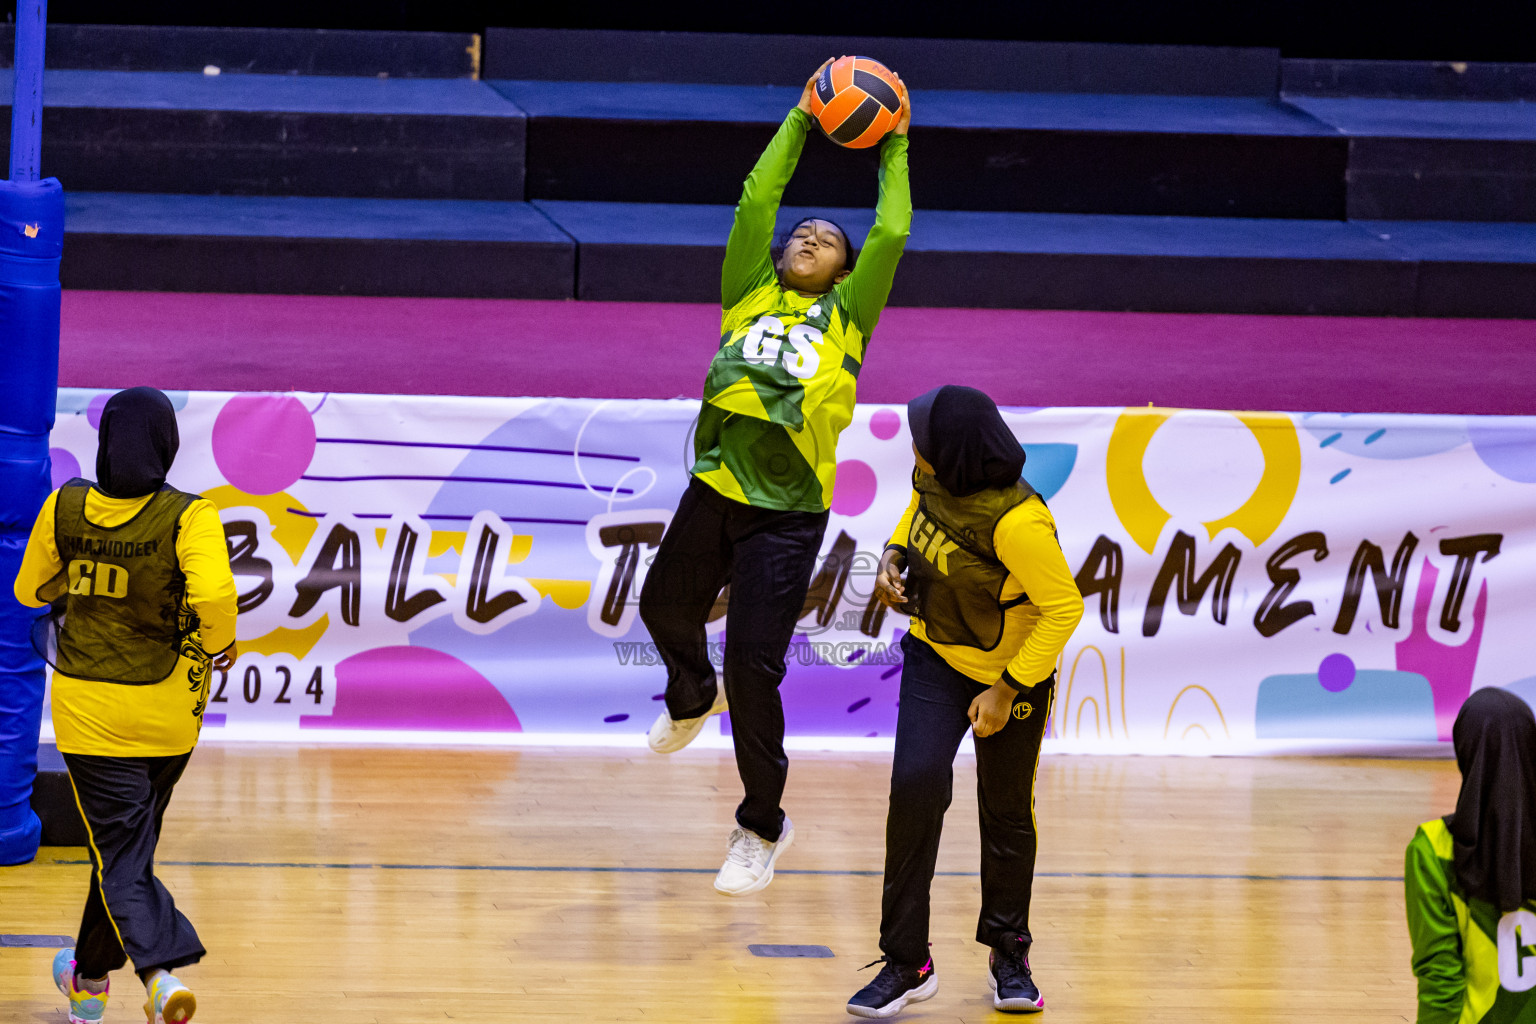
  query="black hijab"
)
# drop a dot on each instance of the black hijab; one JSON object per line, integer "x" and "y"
{"x": 1494, "y": 827}
{"x": 959, "y": 431}
{"x": 137, "y": 443}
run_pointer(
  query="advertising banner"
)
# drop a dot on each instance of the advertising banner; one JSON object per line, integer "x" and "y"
{"x": 430, "y": 569}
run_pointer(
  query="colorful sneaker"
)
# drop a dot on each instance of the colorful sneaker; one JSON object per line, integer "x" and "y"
{"x": 748, "y": 866}
{"x": 84, "y": 1007}
{"x": 668, "y": 734}
{"x": 170, "y": 1002}
{"x": 1013, "y": 990}
{"x": 893, "y": 988}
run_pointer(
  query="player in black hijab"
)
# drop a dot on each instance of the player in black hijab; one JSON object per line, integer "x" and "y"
{"x": 143, "y": 608}
{"x": 959, "y": 432}
{"x": 976, "y": 562}
{"x": 136, "y": 444}
{"x": 1494, "y": 828}
{"x": 1470, "y": 877}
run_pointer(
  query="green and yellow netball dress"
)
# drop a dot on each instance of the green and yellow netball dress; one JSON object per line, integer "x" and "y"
{"x": 781, "y": 387}
{"x": 1474, "y": 964}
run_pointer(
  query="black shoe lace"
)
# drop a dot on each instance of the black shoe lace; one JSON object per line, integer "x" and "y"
{"x": 1010, "y": 968}
{"x": 892, "y": 979}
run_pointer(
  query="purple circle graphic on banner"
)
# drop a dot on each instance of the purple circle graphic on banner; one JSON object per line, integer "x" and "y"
{"x": 1336, "y": 673}
{"x": 94, "y": 409}
{"x": 1508, "y": 450}
{"x": 855, "y": 488}
{"x": 65, "y": 466}
{"x": 263, "y": 443}
{"x": 885, "y": 423}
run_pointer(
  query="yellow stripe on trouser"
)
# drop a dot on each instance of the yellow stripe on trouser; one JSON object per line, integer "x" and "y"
{"x": 1034, "y": 773}
{"x": 101, "y": 868}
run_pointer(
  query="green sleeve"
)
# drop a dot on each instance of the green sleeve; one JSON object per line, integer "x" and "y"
{"x": 748, "y": 262}
{"x": 1437, "y": 958}
{"x": 865, "y": 290}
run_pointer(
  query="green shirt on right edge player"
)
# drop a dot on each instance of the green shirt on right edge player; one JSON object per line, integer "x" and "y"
{"x": 1475, "y": 965}
{"x": 781, "y": 386}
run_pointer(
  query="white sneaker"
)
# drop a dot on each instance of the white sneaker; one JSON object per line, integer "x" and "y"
{"x": 668, "y": 734}
{"x": 748, "y": 866}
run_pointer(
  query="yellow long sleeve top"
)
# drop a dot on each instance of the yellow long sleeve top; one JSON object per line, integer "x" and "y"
{"x": 161, "y": 719}
{"x": 1034, "y": 633}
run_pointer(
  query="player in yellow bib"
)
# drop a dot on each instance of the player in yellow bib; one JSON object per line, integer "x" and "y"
{"x": 993, "y": 603}
{"x": 793, "y": 336}
{"x": 138, "y": 576}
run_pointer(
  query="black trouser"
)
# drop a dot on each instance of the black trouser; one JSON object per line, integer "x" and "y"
{"x": 768, "y": 557}
{"x": 931, "y": 721}
{"x": 128, "y": 912}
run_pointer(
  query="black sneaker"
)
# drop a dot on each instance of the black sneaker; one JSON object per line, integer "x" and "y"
{"x": 1013, "y": 989}
{"x": 893, "y": 988}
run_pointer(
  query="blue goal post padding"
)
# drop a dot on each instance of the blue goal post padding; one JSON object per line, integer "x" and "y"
{"x": 31, "y": 242}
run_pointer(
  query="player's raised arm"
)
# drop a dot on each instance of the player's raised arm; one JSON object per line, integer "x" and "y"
{"x": 869, "y": 286}
{"x": 748, "y": 258}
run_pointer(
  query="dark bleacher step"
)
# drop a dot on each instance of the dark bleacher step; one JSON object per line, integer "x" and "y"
{"x": 997, "y": 65}
{"x": 1468, "y": 269}
{"x": 672, "y": 252}
{"x": 1000, "y": 260}
{"x": 1056, "y": 261}
{"x": 1435, "y": 159}
{"x": 53, "y": 800}
{"x": 278, "y": 135}
{"x": 265, "y": 51}
{"x": 1234, "y": 156}
{"x": 303, "y": 245}
{"x": 1407, "y": 79}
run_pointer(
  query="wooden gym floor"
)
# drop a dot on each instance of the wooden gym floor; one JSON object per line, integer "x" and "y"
{"x": 351, "y": 885}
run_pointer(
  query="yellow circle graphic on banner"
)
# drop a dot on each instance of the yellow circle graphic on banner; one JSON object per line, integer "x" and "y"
{"x": 1258, "y": 517}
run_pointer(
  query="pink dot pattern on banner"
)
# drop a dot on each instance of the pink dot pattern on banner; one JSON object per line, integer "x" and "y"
{"x": 885, "y": 423}
{"x": 65, "y": 466}
{"x": 414, "y": 688}
{"x": 94, "y": 409}
{"x": 855, "y": 488}
{"x": 263, "y": 443}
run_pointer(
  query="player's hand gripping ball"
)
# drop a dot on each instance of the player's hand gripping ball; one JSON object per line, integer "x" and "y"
{"x": 857, "y": 101}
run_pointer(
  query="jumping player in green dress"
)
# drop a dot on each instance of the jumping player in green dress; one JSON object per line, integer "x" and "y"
{"x": 793, "y": 337}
